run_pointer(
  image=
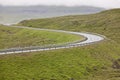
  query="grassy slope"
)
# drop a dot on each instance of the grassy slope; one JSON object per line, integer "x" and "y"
{"x": 93, "y": 62}
{"x": 14, "y": 37}
{"x": 106, "y": 23}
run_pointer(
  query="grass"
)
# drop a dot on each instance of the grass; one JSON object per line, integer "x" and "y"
{"x": 82, "y": 63}
{"x": 98, "y": 61}
{"x": 106, "y": 23}
{"x": 13, "y": 37}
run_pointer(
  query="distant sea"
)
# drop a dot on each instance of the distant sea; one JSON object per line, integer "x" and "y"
{"x": 14, "y": 14}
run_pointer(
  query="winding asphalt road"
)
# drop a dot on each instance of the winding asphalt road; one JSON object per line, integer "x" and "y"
{"x": 90, "y": 39}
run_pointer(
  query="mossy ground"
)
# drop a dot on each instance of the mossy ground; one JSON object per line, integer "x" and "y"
{"x": 98, "y": 61}
{"x": 11, "y": 37}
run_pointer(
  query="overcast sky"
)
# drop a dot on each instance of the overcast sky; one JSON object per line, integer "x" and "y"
{"x": 98, "y": 3}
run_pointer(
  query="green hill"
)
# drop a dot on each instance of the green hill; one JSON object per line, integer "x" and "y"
{"x": 11, "y": 37}
{"x": 100, "y": 61}
{"x": 102, "y": 23}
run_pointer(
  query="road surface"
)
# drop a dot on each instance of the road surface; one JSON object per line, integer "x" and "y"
{"x": 90, "y": 39}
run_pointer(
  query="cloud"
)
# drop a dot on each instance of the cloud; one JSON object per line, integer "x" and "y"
{"x": 98, "y": 3}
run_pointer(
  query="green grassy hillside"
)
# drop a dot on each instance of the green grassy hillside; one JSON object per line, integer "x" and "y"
{"x": 100, "y": 61}
{"x": 15, "y": 37}
{"x": 106, "y": 23}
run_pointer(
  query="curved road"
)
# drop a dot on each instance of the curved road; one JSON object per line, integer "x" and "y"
{"x": 90, "y": 38}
